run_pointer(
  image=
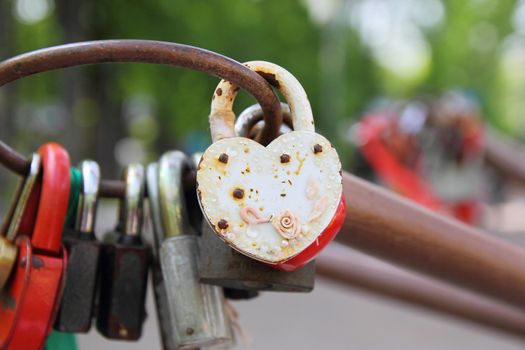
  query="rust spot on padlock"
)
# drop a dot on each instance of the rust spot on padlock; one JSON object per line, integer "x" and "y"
{"x": 223, "y": 158}
{"x": 318, "y": 148}
{"x": 238, "y": 193}
{"x": 285, "y": 158}
{"x": 222, "y": 224}
{"x": 271, "y": 78}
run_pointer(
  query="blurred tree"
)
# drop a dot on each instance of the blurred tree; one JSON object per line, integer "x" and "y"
{"x": 466, "y": 51}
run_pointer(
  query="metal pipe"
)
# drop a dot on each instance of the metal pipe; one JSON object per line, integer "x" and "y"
{"x": 353, "y": 269}
{"x": 505, "y": 156}
{"x": 144, "y": 51}
{"x": 386, "y": 225}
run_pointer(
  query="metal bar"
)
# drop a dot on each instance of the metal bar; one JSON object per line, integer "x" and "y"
{"x": 144, "y": 51}
{"x": 352, "y": 269}
{"x": 386, "y": 225}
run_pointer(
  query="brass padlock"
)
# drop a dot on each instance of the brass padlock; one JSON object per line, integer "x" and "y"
{"x": 191, "y": 314}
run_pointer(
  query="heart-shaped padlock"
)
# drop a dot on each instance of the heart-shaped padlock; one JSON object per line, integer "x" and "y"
{"x": 279, "y": 204}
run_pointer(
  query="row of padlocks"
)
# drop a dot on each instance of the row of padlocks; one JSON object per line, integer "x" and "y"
{"x": 254, "y": 220}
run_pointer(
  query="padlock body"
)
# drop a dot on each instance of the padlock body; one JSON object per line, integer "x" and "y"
{"x": 12, "y": 296}
{"x": 123, "y": 285}
{"x": 30, "y": 300}
{"x": 222, "y": 266}
{"x": 196, "y": 310}
{"x": 163, "y": 311}
{"x": 240, "y": 294}
{"x": 76, "y": 308}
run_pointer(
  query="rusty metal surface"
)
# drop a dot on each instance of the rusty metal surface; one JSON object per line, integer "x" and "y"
{"x": 386, "y": 225}
{"x": 353, "y": 269}
{"x": 144, "y": 51}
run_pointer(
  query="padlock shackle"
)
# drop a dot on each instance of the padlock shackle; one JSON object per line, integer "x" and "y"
{"x": 54, "y": 199}
{"x": 140, "y": 51}
{"x": 88, "y": 199}
{"x": 172, "y": 167}
{"x": 222, "y": 117}
{"x": 131, "y": 214}
{"x": 23, "y": 194}
{"x": 250, "y": 121}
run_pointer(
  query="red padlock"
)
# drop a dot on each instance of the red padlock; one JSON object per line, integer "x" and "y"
{"x": 30, "y": 300}
{"x": 389, "y": 168}
{"x": 409, "y": 181}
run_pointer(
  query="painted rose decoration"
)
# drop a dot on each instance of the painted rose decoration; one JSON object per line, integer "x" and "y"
{"x": 287, "y": 225}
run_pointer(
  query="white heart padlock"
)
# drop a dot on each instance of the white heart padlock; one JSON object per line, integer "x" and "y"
{"x": 280, "y": 204}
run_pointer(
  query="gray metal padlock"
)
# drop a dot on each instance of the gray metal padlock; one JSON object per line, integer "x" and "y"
{"x": 159, "y": 288}
{"x": 221, "y": 265}
{"x": 191, "y": 314}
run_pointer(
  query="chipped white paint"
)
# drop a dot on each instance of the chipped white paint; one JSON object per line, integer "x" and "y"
{"x": 271, "y": 202}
